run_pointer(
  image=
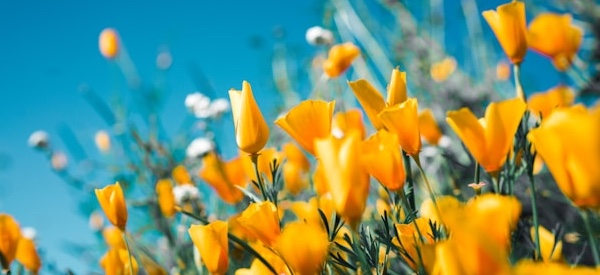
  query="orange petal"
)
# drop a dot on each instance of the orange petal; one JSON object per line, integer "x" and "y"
{"x": 370, "y": 99}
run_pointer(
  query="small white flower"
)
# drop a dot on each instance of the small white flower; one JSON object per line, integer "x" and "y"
{"x": 185, "y": 192}
{"x": 38, "y": 139}
{"x": 429, "y": 151}
{"x": 199, "y": 147}
{"x": 218, "y": 107}
{"x": 444, "y": 142}
{"x": 337, "y": 132}
{"x": 28, "y": 233}
{"x": 198, "y": 104}
{"x": 59, "y": 161}
{"x": 164, "y": 60}
{"x": 319, "y": 36}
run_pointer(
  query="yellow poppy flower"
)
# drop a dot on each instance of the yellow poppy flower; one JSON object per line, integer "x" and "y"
{"x": 295, "y": 169}
{"x": 508, "y": 23}
{"x": 444, "y": 204}
{"x": 181, "y": 175}
{"x": 108, "y": 43}
{"x": 165, "y": 197}
{"x": 116, "y": 262}
{"x": 262, "y": 220}
{"x": 551, "y": 251}
{"x": 340, "y": 58}
{"x": 528, "y": 266}
{"x": 224, "y": 177}
{"x": 554, "y": 36}
{"x": 440, "y": 71}
{"x": 307, "y": 121}
{"x": 10, "y": 233}
{"x": 351, "y": 120}
{"x": 113, "y": 237}
{"x": 489, "y": 139}
{"x": 346, "y": 177}
{"x": 112, "y": 202}
{"x": 412, "y": 241}
{"x": 372, "y": 101}
{"x": 28, "y": 256}
{"x": 568, "y": 143}
{"x": 403, "y": 120}
{"x": 543, "y": 103}
{"x": 211, "y": 241}
{"x": 383, "y": 159}
{"x": 304, "y": 255}
{"x": 251, "y": 130}
{"x": 429, "y": 128}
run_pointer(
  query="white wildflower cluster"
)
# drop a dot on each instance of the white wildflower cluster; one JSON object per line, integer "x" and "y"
{"x": 319, "y": 36}
{"x": 185, "y": 192}
{"x": 28, "y": 233}
{"x": 199, "y": 147}
{"x": 202, "y": 107}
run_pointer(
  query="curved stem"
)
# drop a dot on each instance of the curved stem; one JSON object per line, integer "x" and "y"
{"x": 128, "y": 252}
{"x": 538, "y": 250}
{"x": 261, "y": 184}
{"x": 593, "y": 244}
{"x": 518, "y": 86}
{"x": 409, "y": 181}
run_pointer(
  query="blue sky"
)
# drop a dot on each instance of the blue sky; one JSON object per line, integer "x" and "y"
{"x": 48, "y": 49}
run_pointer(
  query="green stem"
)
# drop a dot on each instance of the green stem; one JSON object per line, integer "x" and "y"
{"x": 428, "y": 185}
{"x": 538, "y": 249}
{"x": 409, "y": 181}
{"x": 518, "y": 86}
{"x": 477, "y": 178}
{"x": 128, "y": 252}
{"x": 593, "y": 244}
{"x": 235, "y": 240}
{"x": 261, "y": 184}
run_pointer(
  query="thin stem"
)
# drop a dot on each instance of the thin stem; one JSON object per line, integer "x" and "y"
{"x": 261, "y": 184}
{"x": 538, "y": 249}
{"x": 476, "y": 180}
{"x": 428, "y": 185}
{"x": 593, "y": 244}
{"x": 409, "y": 181}
{"x": 128, "y": 252}
{"x": 495, "y": 181}
{"x": 518, "y": 86}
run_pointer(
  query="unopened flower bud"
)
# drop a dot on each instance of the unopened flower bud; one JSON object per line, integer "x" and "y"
{"x": 38, "y": 140}
{"x": 319, "y": 36}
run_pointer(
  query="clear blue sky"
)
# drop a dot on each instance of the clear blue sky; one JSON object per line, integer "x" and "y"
{"x": 49, "y": 48}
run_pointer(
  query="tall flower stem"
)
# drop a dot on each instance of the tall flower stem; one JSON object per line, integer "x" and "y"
{"x": 593, "y": 244}
{"x": 518, "y": 86}
{"x": 409, "y": 181}
{"x": 538, "y": 251}
{"x": 477, "y": 178}
{"x": 128, "y": 252}
{"x": 261, "y": 184}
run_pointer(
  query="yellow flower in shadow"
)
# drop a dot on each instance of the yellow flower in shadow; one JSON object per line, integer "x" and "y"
{"x": 211, "y": 241}
{"x": 490, "y": 138}
{"x": 551, "y": 250}
{"x": 262, "y": 220}
{"x": 165, "y": 197}
{"x": 403, "y": 120}
{"x": 340, "y": 58}
{"x": 308, "y": 121}
{"x": 224, "y": 177}
{"x": 508, "y": 23}
{"x": 28, "y": 256}
{"x": 372, "y": 101}
{"x": 383, "y": 159}
{"x": 251, "y": 130}
{"x": 295, "y": 169}
{"x": 542, "y": 104}
{"x": 116, "y": 262}
{"x": 112, "y": 202}
{"x": 351, "y": 120}
{"x": 416, "y": 244}
{"x": 304, "y": 255}
{"x": 554, "y": 36}
{"x": 568, "y": 143}
{"x": 429, "y": 128}
{"x": 108, "y": 43}
{"x": 345, "y": 175}
{"x": 10, "y": 233}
